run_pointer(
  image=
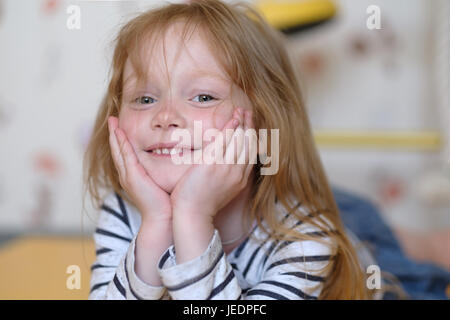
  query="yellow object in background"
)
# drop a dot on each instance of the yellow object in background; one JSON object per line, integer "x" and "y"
{"x": 290, "y": 14}
{"x": 35, "y": 267}
{"x": 354, "y": 139}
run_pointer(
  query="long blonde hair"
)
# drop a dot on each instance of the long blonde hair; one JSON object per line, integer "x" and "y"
{"x": 255, "y": 58}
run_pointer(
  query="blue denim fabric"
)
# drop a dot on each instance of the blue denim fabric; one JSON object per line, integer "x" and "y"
{"x": 419, "y": 280}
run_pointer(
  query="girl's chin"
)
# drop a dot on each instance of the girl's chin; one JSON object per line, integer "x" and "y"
{"x": 166, "y": 186}
{"x": 165, "y": 174}
{"x": 168, "y": 181}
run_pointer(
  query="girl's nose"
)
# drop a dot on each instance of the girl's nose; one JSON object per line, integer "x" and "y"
{"x": 166, "y": 118}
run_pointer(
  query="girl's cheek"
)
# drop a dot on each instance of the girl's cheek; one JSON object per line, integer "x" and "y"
{"x": 222, "y": 117}
{"x": 218, "y": 118}
{"x": 129, "y": 124}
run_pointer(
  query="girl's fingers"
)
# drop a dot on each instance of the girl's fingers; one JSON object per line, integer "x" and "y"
{"x": 253, "y": 145}
{"x": 234, "y": 147}
{"x": 127, "y": 152}
{"x": 228, "y": 130}
{"x": 249, "y": 154}
{"x": 232, "y": 123}
{"x": 243, "y": 154}
{"x": 121, "y": 141}
{"x": 223, "y": 136}
{"x": 115, "y": 150}
{"x": 123, "y": 151}
{"x": 234, "y": 144}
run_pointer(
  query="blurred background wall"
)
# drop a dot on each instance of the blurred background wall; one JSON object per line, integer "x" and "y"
{"x": 355, "y": 80}
{"x": 375, "y": 99}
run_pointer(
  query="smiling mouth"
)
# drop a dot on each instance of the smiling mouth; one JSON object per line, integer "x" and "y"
{"x": 168, "y": 151}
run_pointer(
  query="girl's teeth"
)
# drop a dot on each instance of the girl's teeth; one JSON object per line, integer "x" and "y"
{"x": 167, "y": 151}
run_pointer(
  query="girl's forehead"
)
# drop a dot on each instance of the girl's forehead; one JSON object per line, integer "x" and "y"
{"x": 155, "y": 71}
{"x": 173, "y": 55}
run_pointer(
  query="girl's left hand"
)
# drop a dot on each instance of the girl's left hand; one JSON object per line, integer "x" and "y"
{"x": 206, "y": 188}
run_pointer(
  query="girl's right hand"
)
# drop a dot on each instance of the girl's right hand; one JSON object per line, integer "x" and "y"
{"x": 152, "y": 201}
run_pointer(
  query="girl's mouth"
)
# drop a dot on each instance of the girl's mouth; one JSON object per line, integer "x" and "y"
{"x": 167, "y": 152}
{"x": 169, "y": 149}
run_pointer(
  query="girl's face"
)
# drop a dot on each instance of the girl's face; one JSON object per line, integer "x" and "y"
{"x": 193, "y": 87}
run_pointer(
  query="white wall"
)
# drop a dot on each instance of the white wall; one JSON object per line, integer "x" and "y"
{"x": 52, "y": 80}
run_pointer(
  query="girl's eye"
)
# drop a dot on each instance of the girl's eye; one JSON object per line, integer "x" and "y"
{"x": 204, "y": 97}
{"x": 144, "y": 100}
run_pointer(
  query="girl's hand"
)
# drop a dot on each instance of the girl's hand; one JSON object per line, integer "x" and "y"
{"x": 152, "y": 202}
{"x": 206, "y": 188}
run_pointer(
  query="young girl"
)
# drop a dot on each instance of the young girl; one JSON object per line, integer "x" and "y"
{"x": 210, "y": 231}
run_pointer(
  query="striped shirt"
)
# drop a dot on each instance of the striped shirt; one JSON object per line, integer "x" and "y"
{"x": 260, "y": 268}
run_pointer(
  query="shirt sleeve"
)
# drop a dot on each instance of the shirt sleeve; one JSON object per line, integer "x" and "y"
{"x": 293, "y": 271}
{"x": 209, "y": 276}
{"x": 113, "y": 275}
{"x": 289, "y": 273}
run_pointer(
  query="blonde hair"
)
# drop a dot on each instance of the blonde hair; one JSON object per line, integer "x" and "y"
{"x": 255, "y": 58}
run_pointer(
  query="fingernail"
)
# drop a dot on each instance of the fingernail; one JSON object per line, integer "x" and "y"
{"x": 235, "y": 122}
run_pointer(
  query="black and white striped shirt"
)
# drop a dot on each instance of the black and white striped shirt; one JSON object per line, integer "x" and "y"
{"x": 259, "y": 268}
